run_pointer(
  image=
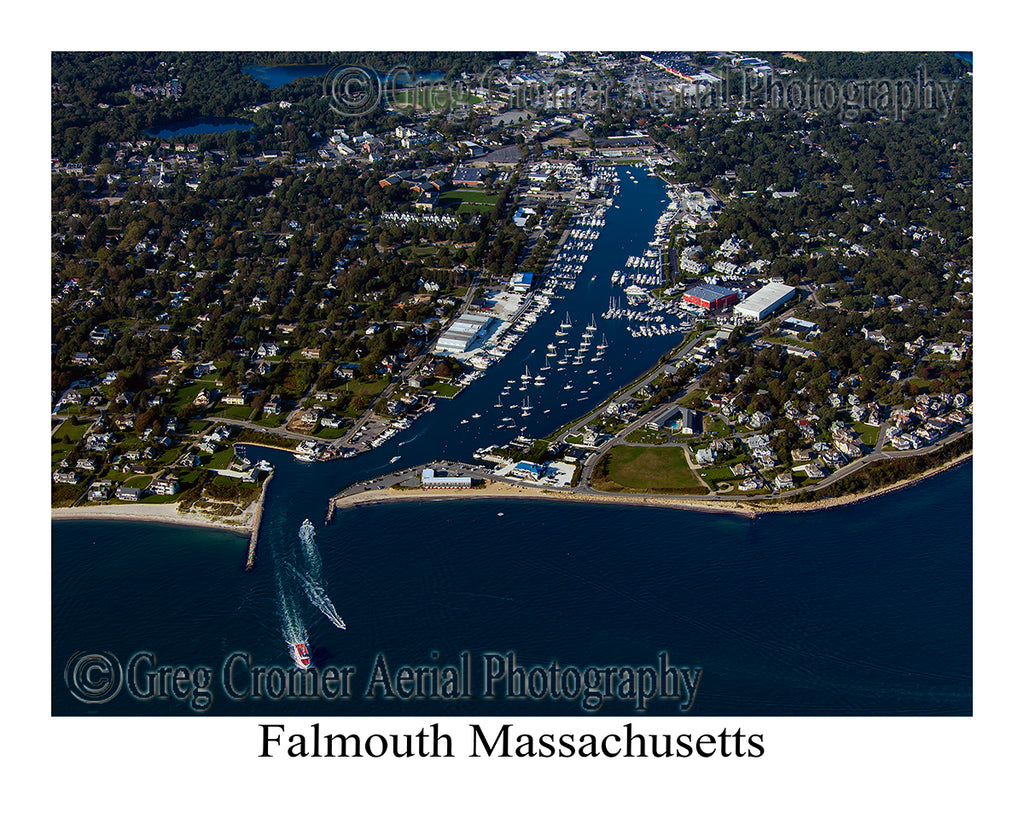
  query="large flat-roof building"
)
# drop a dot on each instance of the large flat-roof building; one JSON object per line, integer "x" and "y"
{"x": 463, "y": 333}
{"x": 429, "y": 479}
{"x": 711, "y": 296}
{"x": 765, "y": 301}
{"x": 521, "y": 282}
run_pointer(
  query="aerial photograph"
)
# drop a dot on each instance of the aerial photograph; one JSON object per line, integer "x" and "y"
{"x": 628, "y": 384}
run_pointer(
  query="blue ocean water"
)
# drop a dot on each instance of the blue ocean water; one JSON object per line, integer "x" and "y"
{"x": 864, "y": 609}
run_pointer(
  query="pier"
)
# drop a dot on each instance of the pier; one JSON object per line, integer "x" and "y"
{"x": 250, "y": 559}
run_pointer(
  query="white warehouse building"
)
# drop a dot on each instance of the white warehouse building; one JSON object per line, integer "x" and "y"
{"x": 464, "y": 331}
{"x": 765, "y": 301}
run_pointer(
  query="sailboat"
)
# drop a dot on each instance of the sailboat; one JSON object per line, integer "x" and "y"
{"x": 526, "y": 407}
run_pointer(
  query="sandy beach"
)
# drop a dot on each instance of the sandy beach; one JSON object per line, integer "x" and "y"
{"x": 156, "y": 513}
{"x": 500, "y": 490}
{"x": 242, "y": 524}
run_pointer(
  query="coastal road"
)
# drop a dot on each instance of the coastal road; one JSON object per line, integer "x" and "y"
{"x": 658, "y": 369}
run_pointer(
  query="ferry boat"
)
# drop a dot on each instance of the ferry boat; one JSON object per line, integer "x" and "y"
{"x": 300, "y": 653}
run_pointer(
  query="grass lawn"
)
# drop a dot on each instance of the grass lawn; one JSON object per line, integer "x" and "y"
{"x": 238, "y": 413}
{"x": 430, "y": 99}
{"x": 330, "y": 434}
{"x": 645, "y": 436}
{"x": 418, "y": 252}
{"x": 468, "y": 200}
{"x": 251, "y": 436}
{"x": 160, "y": 498}
{"x": 645, "y": 469}
{"x": 170, "y": 456}
{"x": 718, "y": 474}
{"x": 868, "y": 434}
{"x": 184, "y": 397}
{"x": 220, "y": 459}
{"x": 372, "y": 386}
{"x": 444, "y": 390}
{"x": 73, "y": 431}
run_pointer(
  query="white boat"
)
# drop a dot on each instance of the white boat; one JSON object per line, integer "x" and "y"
{"x": 396, "y": 459}
{"x": 300, "y": 654}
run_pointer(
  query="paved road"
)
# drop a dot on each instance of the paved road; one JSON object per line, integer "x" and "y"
{"x": 677, "y": 360}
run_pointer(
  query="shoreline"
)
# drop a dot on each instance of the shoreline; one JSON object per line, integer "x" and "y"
{"x": 495, "y": 490}
{"x": 154, "y": 513}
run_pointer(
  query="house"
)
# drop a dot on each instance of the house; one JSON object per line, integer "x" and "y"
{"x": 784, "y": 481}
{"x": 99, "y": 491}
{"x": 125, "y": 493}
{"x": 235, "y": 400}
{"x": 164, "y": 486}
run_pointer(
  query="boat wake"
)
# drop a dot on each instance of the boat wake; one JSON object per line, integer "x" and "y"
{"x": 312, "y": 579}
{"x": 299, "y": 572}
{"x": 293, "y": 629}
{"x": 316, "y": 595}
